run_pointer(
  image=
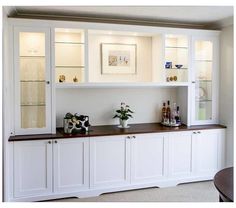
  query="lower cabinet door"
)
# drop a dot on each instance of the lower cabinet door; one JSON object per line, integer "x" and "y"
{"x": 32, "y": 168}
{"x": 148, "y": 156}
{"x": 208, "y": 151}
{"x": 71, "y": 164}
{"x": 109, "y": 161}
{"x": 180, "y": 154}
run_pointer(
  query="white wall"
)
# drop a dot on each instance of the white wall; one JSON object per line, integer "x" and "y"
{"x": 226, "y": 90}
{"x": 100, "y": 104}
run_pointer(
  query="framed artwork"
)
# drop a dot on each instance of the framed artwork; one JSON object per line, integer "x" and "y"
{"x": 119, "y": 58}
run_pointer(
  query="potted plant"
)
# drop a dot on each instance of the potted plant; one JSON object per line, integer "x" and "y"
{"x": 124, "y": 113}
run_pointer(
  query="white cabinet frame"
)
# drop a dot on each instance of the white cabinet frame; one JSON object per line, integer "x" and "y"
{"x": 48, "y": 97}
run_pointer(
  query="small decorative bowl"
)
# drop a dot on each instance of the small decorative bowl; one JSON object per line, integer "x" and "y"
{"x": 178, "y": 66}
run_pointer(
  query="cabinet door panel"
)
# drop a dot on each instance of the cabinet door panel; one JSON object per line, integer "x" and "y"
{"x": 147, "y": 157}
{"x": 32, "y": 80}
{"x": 206, "y": 151}
{"x": 110, "y": 161}
{"x": 32, "y": 168}
{"x": 180, "y": 154}
{"x": 71, "y": 164}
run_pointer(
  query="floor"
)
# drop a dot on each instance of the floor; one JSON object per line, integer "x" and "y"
{"x": 191, "y": 192}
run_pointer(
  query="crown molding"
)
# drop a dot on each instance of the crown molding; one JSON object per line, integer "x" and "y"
{"x": 106, "y": 19}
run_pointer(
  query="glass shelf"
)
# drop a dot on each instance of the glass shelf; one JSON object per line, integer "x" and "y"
{"x": 176, "y": 47}
{"x": 79, "y": 43}
{"x": 32, "y": 56}
{"x": 32, "y": 80}
{"x": 176, "y": 68}
{"x": 202, "y": 80}
{"x": 204, "y": 60}
{"x": 39, "y": 104}
{"x": 203, "y": 100}
{"x": 70, "y": 67}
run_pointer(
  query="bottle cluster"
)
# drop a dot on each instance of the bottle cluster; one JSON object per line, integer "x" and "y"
{"x": 170, "y": 116}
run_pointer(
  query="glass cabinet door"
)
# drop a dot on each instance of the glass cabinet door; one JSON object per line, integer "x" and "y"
{"x": 203, "y": 62}
{"x": 32, "y": 82}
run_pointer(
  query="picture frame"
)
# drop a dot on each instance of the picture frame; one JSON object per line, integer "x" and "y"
{"x": 118, "y": 58}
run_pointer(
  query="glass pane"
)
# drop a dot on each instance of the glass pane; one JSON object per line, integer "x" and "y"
{"x": 203, "y": 77}
{"x": 32, "y": 79}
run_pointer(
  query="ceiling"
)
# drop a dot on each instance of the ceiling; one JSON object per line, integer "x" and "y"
{"x": 200, "y": 16}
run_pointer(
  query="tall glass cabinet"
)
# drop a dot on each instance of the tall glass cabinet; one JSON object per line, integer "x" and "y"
{"x": 204, "y": 81}
{"x": 32, "y": 80}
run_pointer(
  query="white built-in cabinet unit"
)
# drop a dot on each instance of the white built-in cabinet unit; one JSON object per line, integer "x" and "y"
{"x": 83, "y": 167}
{"x": 49, "y": 56}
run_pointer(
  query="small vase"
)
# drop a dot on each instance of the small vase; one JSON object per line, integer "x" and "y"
{"x": 124, "y": 123}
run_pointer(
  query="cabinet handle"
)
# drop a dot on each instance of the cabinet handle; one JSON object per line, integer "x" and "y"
{"x": 128, "y": 137}
{"x": 194, "y": 132}
{"x": 199, "y": 132}
{"x": 49, "y": 142}
{"x": 55, "y": 141}
{"x": 47, "y": 82}
{"x": 193, "y": 82}
{"x": 134, "y": 137}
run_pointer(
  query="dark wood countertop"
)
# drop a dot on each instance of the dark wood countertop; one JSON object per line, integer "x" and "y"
{"x": 109, "y": 130}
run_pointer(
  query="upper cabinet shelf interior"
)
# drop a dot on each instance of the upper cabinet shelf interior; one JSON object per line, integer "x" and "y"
{"x": 69, "y": 55}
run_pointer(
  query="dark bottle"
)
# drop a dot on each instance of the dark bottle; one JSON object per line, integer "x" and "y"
{"x": 168, "y": 112}
{"x": 163, "y": 113}
{"x": 177, "y": 116}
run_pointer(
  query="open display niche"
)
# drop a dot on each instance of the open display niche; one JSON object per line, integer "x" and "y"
{"x": 176, "y": 58}
{"x": 119, "y": 57}
{"x": 69, "y": 56}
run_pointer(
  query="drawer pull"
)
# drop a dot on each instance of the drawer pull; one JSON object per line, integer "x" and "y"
{"x": 49, "y": 142}
{"x": 56, "y": 142}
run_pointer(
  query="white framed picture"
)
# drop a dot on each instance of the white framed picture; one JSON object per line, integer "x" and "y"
{"x": 118, "y": 58}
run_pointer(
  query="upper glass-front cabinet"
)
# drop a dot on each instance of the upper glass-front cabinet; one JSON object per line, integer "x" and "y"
{"x": 69, "y": 56}
{"x": 204, "y": 84}
{"x": 176, "y": 58}
{"x": 32, "y": 81}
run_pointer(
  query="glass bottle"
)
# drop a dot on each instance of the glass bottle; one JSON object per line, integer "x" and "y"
{"x": 168, "y": 112}
{"x": 163, "y": 113}
{"x": 177, "y": 117}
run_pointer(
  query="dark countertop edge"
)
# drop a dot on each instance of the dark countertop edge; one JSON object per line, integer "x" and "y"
{"x": 113, "y": 131}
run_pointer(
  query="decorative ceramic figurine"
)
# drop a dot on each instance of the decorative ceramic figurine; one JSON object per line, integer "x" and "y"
{"x": 75, "y": 79}
{"x": 62, "y": 78}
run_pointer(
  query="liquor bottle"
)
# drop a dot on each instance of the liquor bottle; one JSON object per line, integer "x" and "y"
{"x": 173, "y": 114}
{"x": 168, "y": 112}
{"x": 163, "y": 113}
{"x": 177, "y": 117}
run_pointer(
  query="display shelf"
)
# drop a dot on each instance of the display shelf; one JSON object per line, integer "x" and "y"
{"x": 176, "y": 47}
{"x": 203, "y": 100}
{"x": 176, "y": 68}
{"x": 204, "y": 60}
{"x": 32, "y": 56}
{"x": 43, "y": 104}
{"x": 119, "y": 85}
{"x": 70, "y": 66}
{"x": 61, "y": 42}
{"x": 32, "y": 80}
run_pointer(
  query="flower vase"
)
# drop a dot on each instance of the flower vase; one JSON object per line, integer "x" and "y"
{"x": 123, "y": 123}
